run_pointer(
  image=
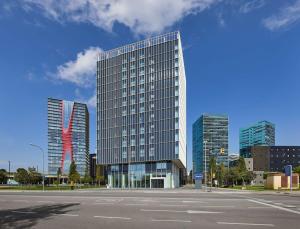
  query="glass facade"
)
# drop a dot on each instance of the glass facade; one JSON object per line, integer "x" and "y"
{"x": 259, "y": 134}
{"x": 141, "y": 107}
{"x": 210, "y": 132}
{"x": 68, "y": 136}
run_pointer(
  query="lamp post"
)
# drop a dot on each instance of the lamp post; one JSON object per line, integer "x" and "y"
{"x": 41, "y": 149}
{"x": 205, "y": 165}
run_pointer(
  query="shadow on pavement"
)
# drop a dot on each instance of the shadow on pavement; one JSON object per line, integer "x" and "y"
{"x": 28, "y": 217}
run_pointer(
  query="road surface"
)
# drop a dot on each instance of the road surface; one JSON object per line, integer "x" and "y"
{"x": 144, "y": 209}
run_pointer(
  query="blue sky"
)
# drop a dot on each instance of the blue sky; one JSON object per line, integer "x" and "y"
{"x": 242, "y": 58}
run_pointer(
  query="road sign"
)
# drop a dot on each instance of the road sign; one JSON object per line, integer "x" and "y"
{"x": 198, "y": 176}
{"x": 288, "y": 170}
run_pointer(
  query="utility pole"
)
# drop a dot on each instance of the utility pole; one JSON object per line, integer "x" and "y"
{"x": 205, "y": 165}
{"x": 41, "y": 149}
{"x": 9, "y": 169}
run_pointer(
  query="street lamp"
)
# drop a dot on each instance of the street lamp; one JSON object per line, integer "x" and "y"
{"x": 41, "y": 149}
{"x": 205, "y": 142}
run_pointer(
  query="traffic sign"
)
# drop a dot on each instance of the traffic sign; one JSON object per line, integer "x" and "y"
{"x": 198, "y": 176}
{"x": 288, "y": 170}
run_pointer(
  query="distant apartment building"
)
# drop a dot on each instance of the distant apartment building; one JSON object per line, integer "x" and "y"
{"x": 260, "y": 134}
{"x": 141, "y": 113}
{"x": 273, "y": 158}
{"x": 68, "y": 136}
{"x": 210, "y": 135}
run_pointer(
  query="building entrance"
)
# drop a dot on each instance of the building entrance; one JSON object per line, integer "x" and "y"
{"x": 157, "y": 183}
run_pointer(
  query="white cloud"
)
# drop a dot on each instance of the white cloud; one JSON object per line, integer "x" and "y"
{"x": 287, "y": 16}
{"x": 92, "y": 101}
{"x": 252, "y": 5}
{"x": 141, "y": 16}
{"x": 81, "y": 71}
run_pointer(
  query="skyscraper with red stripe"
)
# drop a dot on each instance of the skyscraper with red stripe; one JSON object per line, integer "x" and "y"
{"x": 68, "y": 136}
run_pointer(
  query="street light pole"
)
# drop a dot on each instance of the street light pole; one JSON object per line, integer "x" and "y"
{"x": 41, "y": 149}
{"x": 9, "y": 169}
{"x": 205, "y": 165}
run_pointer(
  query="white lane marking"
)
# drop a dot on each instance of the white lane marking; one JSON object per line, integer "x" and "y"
{"x": 247, "y": 224}
{"x": 174, "y": 211}
{"x": 136, "y": 204}
{"x": 25, "y": 201}
{"x": 224, "y": 206}
{"x": 202, "y": 212}
{"x": 173, "y": 205}
{"x": 23, "y": 212}
{"x": 258, "y": 207}
{"x": 65, "y": 214}
{"x": 274, "y": 206}
{"x": 171, "y": 220}
{"x": 160, "y": 210}
{"x": 190, "y": 201}
{"x": 103, "y": 203}
{"x": 290, "y": 206}
{"x": 111, "y": 217}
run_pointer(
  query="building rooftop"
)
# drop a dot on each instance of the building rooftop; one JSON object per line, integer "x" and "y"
{"x": 139, "y": 45}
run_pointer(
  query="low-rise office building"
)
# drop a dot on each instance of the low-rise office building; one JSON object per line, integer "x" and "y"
{"x": 273, "y": 158}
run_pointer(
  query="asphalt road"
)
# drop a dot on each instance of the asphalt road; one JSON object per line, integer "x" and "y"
{"x": 148, "y": 209}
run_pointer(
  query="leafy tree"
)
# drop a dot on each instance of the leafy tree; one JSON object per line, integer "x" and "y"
{"x": 73, "y": 174}
{"x": 33, "y": 176}
{"x": 22, "y": 176}
{"x": 86, "y": 179}
{"x": 212, "y": 168}
{"x": 58, "y": 174}
{"x": 297, "y": 170}
{"x": 220, "y": 174}
{"x": 3, "y": 176}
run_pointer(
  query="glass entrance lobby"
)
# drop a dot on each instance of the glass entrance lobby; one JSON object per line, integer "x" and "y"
{"x": 143, "y": 175}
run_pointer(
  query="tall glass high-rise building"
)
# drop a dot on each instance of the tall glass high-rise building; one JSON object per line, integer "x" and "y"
{"x": 260, "y": 134}
{"x": 68, "y": 136}
{"x": 141, "y": 113}
{"x": 210, "y": 135}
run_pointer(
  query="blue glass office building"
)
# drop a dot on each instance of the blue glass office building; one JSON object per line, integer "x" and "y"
{"x": 210, "y": 132}
{"x": 260, "y": 134}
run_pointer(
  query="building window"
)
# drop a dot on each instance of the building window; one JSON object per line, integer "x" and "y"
{"x": 142, "y": 153}
{"x": 133, "y": 153}
{"x": 151, "y": 152}
{"x": 142, "y": 141}
{"x": 132, "y": 142}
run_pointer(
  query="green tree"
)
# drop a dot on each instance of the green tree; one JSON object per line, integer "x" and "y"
{"x": 86, "y": 179}
{"x": 58, "y": 174}
{"x": 212, "y": 168}
{"x": 220, "y": 174}
{"x": 3, "y": 176}
{"x": 34, "y": 177}
{"x": 74, "y": 176}
{"x": 297, "y": 170}
{"x": 22, "y": 176}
